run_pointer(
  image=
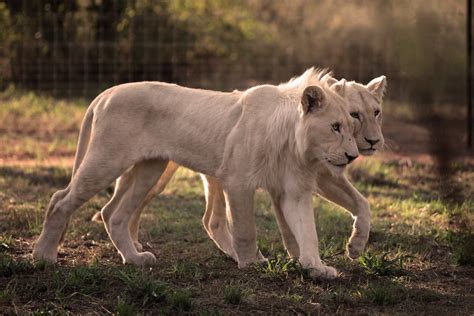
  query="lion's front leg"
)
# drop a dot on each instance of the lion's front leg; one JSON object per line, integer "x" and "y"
{"x": 339, "y": 190}
{"x": 289, "y": 240}
{"x": 298, "y": 212}
{"x": 239, "y": 203}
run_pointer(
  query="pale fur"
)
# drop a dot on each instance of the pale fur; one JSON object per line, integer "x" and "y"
{"x": 264, "y": 137}
{"x": 363, "y": 99}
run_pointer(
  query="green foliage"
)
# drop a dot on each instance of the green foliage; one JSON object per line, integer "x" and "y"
{"x": 181, "y": 301}
{"x": 337, "y": 297}
{"x": 141, "y": 288}
{"x": 384, "y": 293}
{"x": 463, "y": 246}
{"x": 169, "y": 33}
{"x": 125, "y": 308}
{"x": 4, "y": 21}
{"x": 233, "y": 294}
{"x": 10, "y": 266}
{"x": 217, "y": 25}
{"x": 381, "y": 265}
{"x": 6, "y": 37}
{"x": 267, "y": 244}
{"x": 424, "y": 296}
{"x": 280, "y": 267}
{"x": 86, "y": 280}
{"x": 296, "y": 298}
{"x": 224, "y": 36}
{"x": 186, "y": 270}
{"x": 33, "y": 112}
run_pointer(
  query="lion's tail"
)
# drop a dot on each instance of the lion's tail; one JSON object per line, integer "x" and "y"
{"x": 84, "y": 137}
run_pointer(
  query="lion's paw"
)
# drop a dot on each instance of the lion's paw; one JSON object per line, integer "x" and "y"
{"x": 141, "y": 259}
{"x": 42, "y": 253}
{"x": 323, "y": 272}
{"x": 48, "y": 257}
{"x": 355, "y": 248}
{"x": 256, "y": 260}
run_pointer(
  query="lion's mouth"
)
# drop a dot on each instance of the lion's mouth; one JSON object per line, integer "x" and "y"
{"x": 340, "y": 165}
{"x": 370, "y": 150}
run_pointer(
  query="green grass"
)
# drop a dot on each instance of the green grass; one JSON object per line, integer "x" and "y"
{"x": 141, "y": 288}
{"x": 37, "y": 126}
{"x": 280, "y": 267}
{"x": 384, "y": 293}
{"x": 233, "y": 294}
{"x": 381, "y": 264}
{"x": 125, "y": 308}
{"x": 87, "y": 280}
{"x": 181, "y": 301}
{"x": 10, "y": 266}
{"x": 463, "y": 246}
{"x": 19, "y": 110}
{"x": 186, "y": 271}
{"x": 418, "y": 261}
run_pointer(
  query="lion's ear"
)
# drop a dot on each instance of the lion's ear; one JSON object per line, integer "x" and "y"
{"x": 377, "y": 87}
{"x": 339, "y": 87}
{"x": 312, "y": 99}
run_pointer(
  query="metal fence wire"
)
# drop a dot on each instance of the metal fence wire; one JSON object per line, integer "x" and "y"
{"x": 80, "y": 47}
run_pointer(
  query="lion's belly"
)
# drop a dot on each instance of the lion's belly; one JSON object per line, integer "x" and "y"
{"x": 191, "y": 152}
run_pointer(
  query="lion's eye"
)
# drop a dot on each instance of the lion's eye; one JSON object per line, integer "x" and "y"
{"x": 376, "y": 113}
{"x": 355, "y": 115}
{"x": 336, "y": 127}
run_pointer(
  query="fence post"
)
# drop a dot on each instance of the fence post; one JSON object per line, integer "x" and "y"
{"x": 470, "y": 117}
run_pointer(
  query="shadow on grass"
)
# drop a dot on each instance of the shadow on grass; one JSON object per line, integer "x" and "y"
{"x": 434, "y": 184}
{"x": 388, "y": 292}
{"x": 50, "y": 176}
{"x": 419, "y": 244}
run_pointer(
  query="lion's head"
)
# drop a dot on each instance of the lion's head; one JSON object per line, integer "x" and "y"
{"x": 324, "y": 132}
{"x": 364, "y": 105}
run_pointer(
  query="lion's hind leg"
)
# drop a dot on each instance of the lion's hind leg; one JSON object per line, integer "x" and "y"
{"x": 88, "y": 181}
{"x": 165, "y": 178}
{"x": 137, "y": 182}
{"x": 215, "y": 216}
{"x": 121, "y": 187}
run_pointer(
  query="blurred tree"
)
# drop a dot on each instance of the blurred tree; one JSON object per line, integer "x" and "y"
{"x": 6, "y": 37}
{"x": 220, "y": 44}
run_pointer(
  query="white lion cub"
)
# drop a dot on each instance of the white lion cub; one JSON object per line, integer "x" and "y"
{"x": 364, "y": 105}
{"x": 270, "y": 137}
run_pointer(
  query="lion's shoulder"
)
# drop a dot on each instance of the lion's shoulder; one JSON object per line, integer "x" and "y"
{"x": 263, "y": 100}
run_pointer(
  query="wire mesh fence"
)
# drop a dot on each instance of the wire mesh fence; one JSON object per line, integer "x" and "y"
{"x": 80, "y": 47}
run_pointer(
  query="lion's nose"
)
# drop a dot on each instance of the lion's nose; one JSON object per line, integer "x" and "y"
{"x": 350, "y": 158}
{"x": 372, "y": 141}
